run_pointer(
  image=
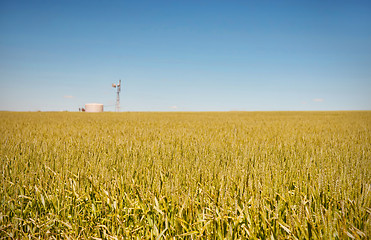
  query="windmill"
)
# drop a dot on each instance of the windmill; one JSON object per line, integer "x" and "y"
{"x": 118, "y": 87}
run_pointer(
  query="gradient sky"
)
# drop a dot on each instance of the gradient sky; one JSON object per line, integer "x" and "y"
{"x": 186, "y": 55}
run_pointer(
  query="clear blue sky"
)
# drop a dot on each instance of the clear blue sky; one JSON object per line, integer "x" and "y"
{"x": 186, "y": 55}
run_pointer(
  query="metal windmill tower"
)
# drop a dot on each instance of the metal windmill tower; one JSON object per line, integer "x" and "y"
{"x": 118, "y": 87}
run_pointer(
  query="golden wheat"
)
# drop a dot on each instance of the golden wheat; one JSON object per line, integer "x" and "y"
{"x": 233, "y": 175}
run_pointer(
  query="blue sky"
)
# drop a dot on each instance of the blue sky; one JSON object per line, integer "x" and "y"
{"x": 186, "y": 55}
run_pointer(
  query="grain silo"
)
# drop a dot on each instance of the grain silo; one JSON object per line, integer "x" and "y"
{"x": 93, "y": 107}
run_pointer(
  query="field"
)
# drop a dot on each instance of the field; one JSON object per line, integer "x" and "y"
{"x": 227, "y": 175}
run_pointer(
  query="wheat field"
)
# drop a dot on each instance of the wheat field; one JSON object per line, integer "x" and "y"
{"x": 210, "y": 175}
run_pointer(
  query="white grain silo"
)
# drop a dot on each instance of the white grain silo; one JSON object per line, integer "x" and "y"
{"x": 93, "y": 107}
